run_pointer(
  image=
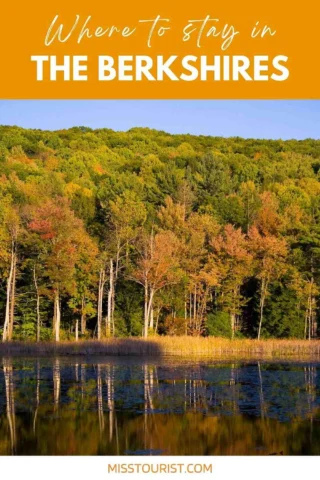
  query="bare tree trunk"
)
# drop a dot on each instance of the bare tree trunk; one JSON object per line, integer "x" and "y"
{"x": 310, "y": 318}
{"x": 149, "y": 309}
{"x": 57, "y": 316}
{"x": 233, "y": 313}
{"x": 151, "y": 318}
{"x": 5, "y": 335}
{"x": 313, "y": 320}
{"x": 77, "y": 330}
{"x": 312, "y": 300}
{"x": 113, "y": 290}
{"x": 261, "y": 317}
{"x": 117, "y": 260}
{"x": 109, "y": 319}
{"x": 13, "y": 296}
{"x": 83, "y": 321}
{"x": 38, "y": 302}
{"x": 305, "y": 323}
{"x": 100, "y": 301}
{"x": 146, "y": 317}
{"x": 262, "y": 301}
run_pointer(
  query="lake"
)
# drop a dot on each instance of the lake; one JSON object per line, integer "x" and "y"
{"x": 140, "y": 406}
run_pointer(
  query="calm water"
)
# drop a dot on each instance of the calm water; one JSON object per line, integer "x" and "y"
{"x": 132, "y": 406}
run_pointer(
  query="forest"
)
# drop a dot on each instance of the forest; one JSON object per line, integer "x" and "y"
{"x": 144, "y": 233}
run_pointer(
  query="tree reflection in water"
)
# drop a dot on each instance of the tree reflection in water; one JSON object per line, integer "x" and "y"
{"x": 131, "y": 406}
{"x": 11, "y": 414}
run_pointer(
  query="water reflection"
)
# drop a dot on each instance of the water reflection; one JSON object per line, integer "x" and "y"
{"x": 11, "y": 415}
{"x": 130, "y": 406}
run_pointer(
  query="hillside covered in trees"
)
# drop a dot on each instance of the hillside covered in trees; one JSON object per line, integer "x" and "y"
{"x": 107, "y": 233}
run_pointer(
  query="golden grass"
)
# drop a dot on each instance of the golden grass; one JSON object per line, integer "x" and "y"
{"x": 173, "y": 346}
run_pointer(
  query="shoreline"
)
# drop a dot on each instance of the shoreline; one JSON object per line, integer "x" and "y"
{"x": 194, "y": 347}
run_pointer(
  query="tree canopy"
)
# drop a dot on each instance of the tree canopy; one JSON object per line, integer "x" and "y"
{"x": 143, "y": 233}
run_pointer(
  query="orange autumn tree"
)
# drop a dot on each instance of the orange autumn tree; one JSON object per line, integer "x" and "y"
{"x": 157, "y": 268}
{"x": 61, "y": 235}
{"x": 269, "y": 252}
{"x": 194, "y": 231}
{"x": 201, "y": 275}
{"x": 233, "y": 261}
{"x": 268, "y": 247}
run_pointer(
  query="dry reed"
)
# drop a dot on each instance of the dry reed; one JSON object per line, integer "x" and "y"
{"x": 169, "y": 346}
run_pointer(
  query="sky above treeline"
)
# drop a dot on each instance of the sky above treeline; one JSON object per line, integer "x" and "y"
{"x": 273, "y": 119}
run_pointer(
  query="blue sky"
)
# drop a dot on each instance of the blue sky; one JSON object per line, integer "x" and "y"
{"x": 246, "y": 118}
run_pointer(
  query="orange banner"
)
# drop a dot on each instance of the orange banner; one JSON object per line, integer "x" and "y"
{"x": 159, "y": 49}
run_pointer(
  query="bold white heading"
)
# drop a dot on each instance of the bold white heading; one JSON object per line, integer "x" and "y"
{"x": 126, "y": 68}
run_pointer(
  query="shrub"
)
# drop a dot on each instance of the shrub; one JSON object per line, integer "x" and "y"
{"x": 218, "y": 324}
{"x": 175, "y": 325}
